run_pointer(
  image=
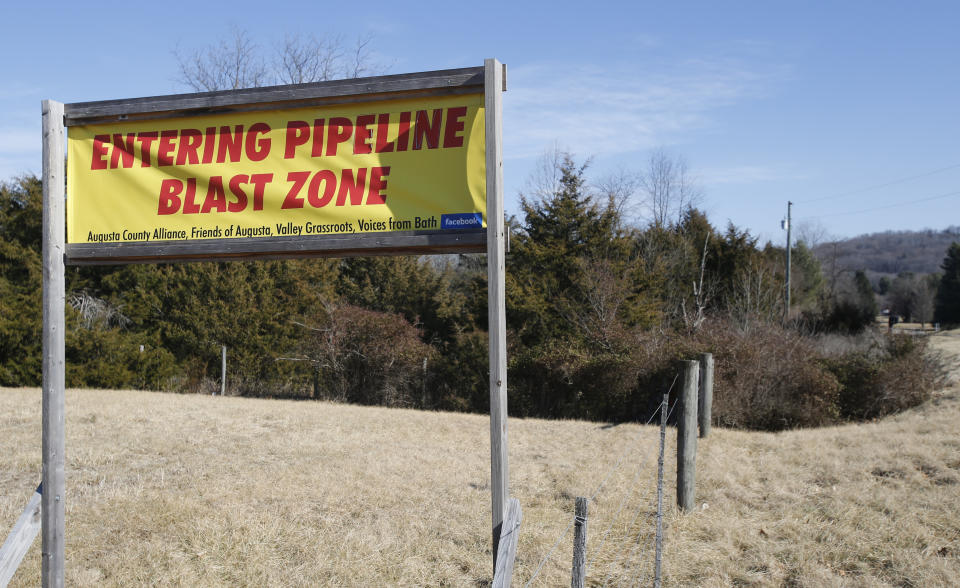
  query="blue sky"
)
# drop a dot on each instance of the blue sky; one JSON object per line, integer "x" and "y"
{"x": 846, "y": 108}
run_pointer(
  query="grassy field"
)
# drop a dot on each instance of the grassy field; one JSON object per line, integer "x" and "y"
{"x": 166, "y": 489}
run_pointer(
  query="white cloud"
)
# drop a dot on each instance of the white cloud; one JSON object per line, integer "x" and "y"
{"x": 747, "y": 174}
{"x": 16, "y": 89}
{"x": 11, "y": 168}
{"x": 622, "y": 108}
{"x": 20, "y": 141}
{"x": 20, "y": 149}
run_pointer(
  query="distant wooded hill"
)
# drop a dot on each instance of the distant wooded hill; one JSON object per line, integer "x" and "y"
{"x": 890, "y": 252}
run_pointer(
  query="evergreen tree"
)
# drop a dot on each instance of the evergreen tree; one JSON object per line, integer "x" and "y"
{"x": 854, "y": 306}
{"x": 546, "y": 267}
{"x": 866, "y": 301}
{"x": 422, "y": 291}
{"x": 20, "y": 275}
{"x": 948, "y": 293}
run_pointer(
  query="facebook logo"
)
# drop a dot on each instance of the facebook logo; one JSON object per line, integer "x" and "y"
{"x": 464, "y": 220}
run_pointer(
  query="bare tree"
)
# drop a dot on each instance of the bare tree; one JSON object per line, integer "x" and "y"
{"x": 912, "y": 296}
{"x": 361, "y": 61}
{"x": 622, "y": 189}
{"x": 926, "y": 297}
{"x": 603, "y": 292}
{"x": 756, "y": 297}
{"x": 228, "y": 65}
{"x": 544, "y": 181}
{"x": 832, "y": 269}
{"x": 309, "y": 59}
{"x": 701, "y": 297}
{"x": 669, "y": 188}
{"x": 239, "y": 62}
{"x": 812, "y": 233}
{"x": 303, "y": 59}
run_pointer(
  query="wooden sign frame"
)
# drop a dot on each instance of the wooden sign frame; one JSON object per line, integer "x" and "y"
{"x": 489, "y": 79}
{"x": 278, "y": 98}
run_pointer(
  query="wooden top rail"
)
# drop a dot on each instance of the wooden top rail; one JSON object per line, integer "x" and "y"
{"x": 469, "y": 80}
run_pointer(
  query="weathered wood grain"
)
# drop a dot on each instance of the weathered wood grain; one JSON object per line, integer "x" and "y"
{"x": 507, "y": 549}
{"x": 578, "y": 573}
{"x": 687, "y": 437}
{"x": 705, "y": 412}
{"x": 496, "y": 298}
{"x": 54, "y": 230}
{"x": 20, "y": 539}
{"x": 451, "y": 81}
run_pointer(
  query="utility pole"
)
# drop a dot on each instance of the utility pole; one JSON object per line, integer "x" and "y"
{"x": 786, "y": 312}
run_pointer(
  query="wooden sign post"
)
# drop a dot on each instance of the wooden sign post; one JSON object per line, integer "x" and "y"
{"x": 52, "y": 529}
{"x": 496, "y": 302}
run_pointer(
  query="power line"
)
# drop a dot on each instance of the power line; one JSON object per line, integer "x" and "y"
{"x": 883, "y": 185}
{"x": 895, "y": 205}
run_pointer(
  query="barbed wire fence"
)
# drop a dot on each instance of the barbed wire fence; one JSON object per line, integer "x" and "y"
{"x": 634, "y": 489}
{"x": 635, "y": 566}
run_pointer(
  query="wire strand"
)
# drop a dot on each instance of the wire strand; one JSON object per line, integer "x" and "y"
{"x": 549, "y": 553}
{"x": 640, "y": 507}
{"x": 670, "y": 412}
{"x": 627, "y": 451}
{"x": 600, "y": 487}
{"x": 883, "y": 185}
{"x": 623, "y": 503}
{"x": 633, "y": 485}
{"x": 886, "y": 206}
{"x": 640, "y": 562}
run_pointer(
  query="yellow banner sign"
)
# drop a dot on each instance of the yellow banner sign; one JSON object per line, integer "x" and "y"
{"x": 400, "y": 165}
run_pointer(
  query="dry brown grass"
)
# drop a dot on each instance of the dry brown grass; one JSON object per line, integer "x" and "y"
{"x": 198, "y": 491}
{"x": 875, "y": 504}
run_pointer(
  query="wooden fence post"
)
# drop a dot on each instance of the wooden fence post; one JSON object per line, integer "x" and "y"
{"x": 223, "y": 370}
{"x": 687, "y": 437}
{"x": 579, "y": 571}
{"x": 705, "y": 414}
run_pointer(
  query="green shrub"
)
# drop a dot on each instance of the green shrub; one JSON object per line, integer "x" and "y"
{"x": 541, "y": 383}
{"x": 458, "y": 379}
{"x": 613, "y": 379}
{"x": 111, "y": 358}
